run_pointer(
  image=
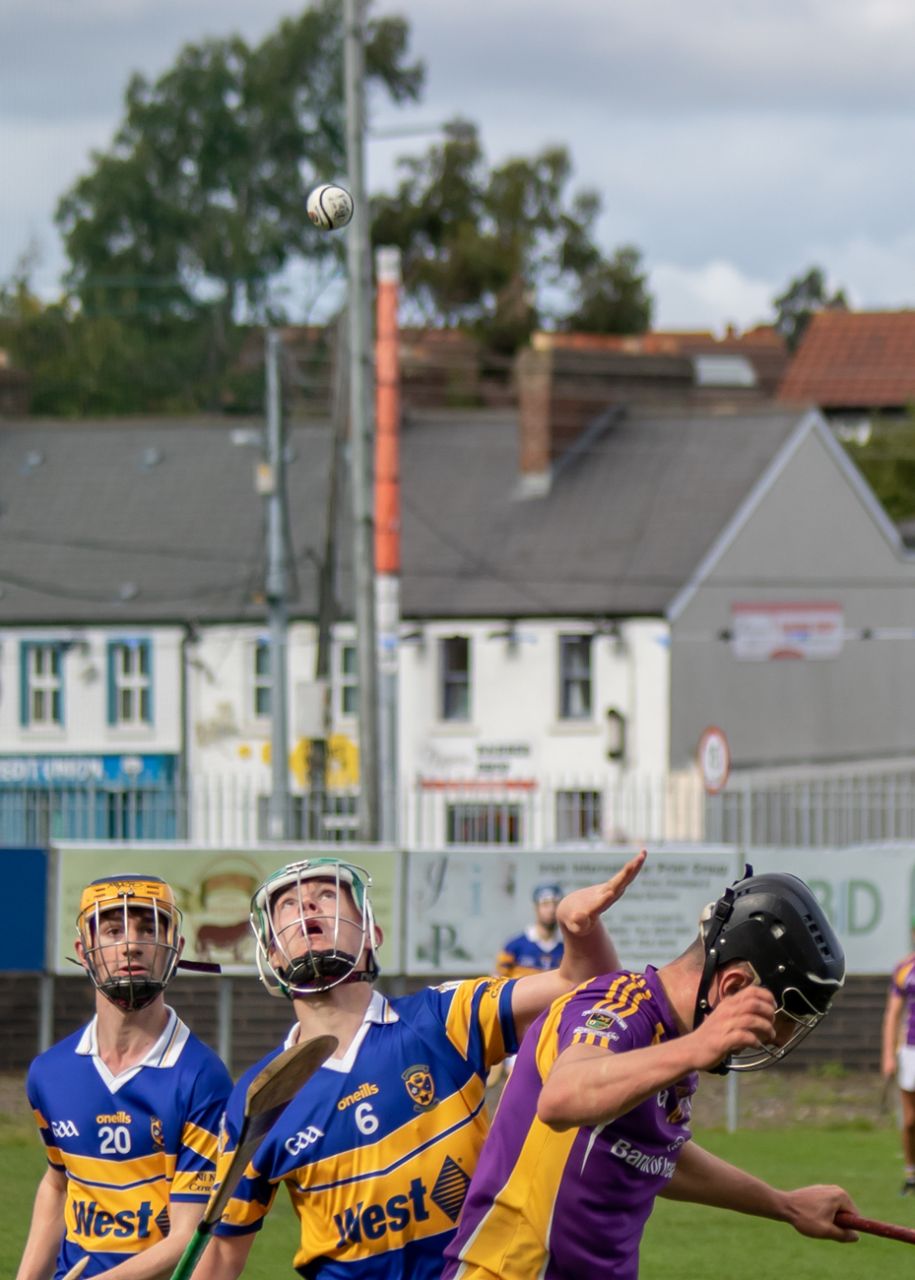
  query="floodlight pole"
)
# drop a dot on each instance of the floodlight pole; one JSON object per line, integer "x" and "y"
{"x": 358, "y": 262}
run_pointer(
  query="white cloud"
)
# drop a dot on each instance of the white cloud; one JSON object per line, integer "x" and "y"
{"x": 709, "y": 297}
{"x": 735, "y": 144}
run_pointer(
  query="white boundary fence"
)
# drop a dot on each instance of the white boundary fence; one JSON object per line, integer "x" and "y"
{"x": 825, "y": 808}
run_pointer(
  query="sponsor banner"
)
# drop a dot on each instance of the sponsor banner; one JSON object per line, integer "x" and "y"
{"x": 867, "y": 892}
{"x": 80, "y": 770}
{"x": 463, "y": 906}
{"x": 213, "y": 888}
{"x": 797, "y": 629}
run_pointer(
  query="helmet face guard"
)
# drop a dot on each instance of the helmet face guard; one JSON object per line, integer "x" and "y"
{"x": 309, "y": 938}
{"x": 774, "y": 924}
{"x": 130, "y": 931}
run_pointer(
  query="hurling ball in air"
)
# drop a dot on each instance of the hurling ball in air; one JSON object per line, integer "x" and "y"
{"x": 330, "y": 207}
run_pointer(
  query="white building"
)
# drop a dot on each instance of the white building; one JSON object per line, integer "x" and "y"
{"x": 552, "y": 685}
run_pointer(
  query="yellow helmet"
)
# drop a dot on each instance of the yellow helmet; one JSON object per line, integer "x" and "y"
{"x": 116, "y": 960}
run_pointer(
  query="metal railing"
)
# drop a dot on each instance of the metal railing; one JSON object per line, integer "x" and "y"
{"x": 801, "y": 809}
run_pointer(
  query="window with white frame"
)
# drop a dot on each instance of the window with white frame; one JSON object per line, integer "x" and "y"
{"x": 347, "y": 681}
{"x": 454, "y": 670}
{"x": 41, "y": 700}
{"x": 575, "y": 677}
{"x": 261, "y": 679}
{"x": 578, "y": 815}
{"x": 129, "y": 682}
{"x": 471, "y": 822}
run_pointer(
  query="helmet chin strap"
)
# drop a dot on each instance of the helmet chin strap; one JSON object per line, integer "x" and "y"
{"x": 335, "y": 970}
{"x": 721, "y": 915}
{"x": 129, "y": 995}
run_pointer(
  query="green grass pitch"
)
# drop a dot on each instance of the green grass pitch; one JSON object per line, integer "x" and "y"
{"x": 681, "y": 1241}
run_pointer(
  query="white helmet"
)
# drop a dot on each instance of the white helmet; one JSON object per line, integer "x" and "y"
{"x": 332, "y": 959}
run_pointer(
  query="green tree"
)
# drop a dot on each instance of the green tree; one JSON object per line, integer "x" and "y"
{"x": 201, "y": 198}
{"x": 803, "y": 296}
{"x": 613, "y": 297}
{"x": 501, "y": 250}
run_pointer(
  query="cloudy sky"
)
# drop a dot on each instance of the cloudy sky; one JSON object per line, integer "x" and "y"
{"x": 735, "y": 142}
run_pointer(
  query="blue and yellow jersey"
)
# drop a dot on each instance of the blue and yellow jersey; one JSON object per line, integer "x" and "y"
{"x": 377, "y": 1149}
{"x": 526, "y": 954}
{"x": 129, "y": 1144}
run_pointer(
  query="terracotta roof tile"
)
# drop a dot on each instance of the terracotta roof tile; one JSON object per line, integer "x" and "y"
{"x": 854, "y": 360}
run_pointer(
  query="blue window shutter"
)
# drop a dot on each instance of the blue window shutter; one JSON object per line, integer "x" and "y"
{"x": 24, "y": 650}
{"x": 61, "y": 655}
{"x": 112, "y": 689}
{"x": 148, "y": 653}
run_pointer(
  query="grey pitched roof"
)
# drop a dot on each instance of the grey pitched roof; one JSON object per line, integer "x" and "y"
{"x": 623, "y": 526}
{"x": 144, "y": 520}
{"x": 159, "y": 519}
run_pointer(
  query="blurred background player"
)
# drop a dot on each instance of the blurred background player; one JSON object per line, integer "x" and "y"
{"x": 377, "y": 1149}
{"x": 594, "y": 1121}
{"x": 538, "y": 948}
{"x": 899, "y": 1055}
{"x": 128, "y": 1107}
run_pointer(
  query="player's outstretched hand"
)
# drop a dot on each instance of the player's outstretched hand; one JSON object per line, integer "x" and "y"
{"x": 739, "y": 1021}
{"x": 812, "y": 1211}
{"x": 580, "y": 910}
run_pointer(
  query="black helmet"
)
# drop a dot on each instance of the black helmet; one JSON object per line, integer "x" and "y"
{"x": 775, "y": 924}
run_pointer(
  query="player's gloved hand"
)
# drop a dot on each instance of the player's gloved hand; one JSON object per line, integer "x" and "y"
{"x": 580, "y": 910}
{"x": 739, "y": 1021}
{"x": 812, "y": 1211}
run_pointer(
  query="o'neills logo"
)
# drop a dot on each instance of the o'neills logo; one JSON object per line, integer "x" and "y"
{"x": 116, "y": 1117}
{"x": 366, "y": 1090}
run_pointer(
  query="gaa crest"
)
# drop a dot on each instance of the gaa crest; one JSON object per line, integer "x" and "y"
{"x": 155, "y": 1128}
{"x": 420, "y": 1086}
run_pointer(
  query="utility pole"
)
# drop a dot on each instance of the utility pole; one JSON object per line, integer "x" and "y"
{"x": 358, "y": 263}
{"x": 273, "y": 487}
{"x": 387, "y": 529}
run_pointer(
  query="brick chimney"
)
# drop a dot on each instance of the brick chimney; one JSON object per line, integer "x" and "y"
{"x": 534, "y": 372}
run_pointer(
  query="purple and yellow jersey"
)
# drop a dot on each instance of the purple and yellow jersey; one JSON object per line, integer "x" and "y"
{"x": 378, "y": 1147}
{"x": 562, "y": 1206}
{"x": 527, "y": 954}
{"x": 128, "y": 1144}
{"x": 902, "y": 984}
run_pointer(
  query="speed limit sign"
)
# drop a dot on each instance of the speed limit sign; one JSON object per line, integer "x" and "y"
{"x": 714, "y": 759}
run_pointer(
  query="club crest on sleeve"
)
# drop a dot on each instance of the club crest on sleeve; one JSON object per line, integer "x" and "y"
{"x": 600, "y": 1020}
{"x": 155, "y": 1128}
{"x": 420, "y": 1086}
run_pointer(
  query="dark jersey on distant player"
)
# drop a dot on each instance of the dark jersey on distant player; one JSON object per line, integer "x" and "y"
{"x": 527, "y": 954}
{"x": 129, "y": 1144}
{"x": 565, "y": 1206}
{"x": 377, "y": 1148}
{"x": 903, "y": 984}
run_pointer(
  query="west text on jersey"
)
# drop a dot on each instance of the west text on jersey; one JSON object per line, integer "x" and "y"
{"x": 372, "y": 1221}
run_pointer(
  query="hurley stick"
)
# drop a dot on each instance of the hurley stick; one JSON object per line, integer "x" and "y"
{"x": 889, "y": 1230}
{"x": 268, "y": 1093}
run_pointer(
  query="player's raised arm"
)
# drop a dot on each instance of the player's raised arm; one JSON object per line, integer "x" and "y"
{"x": 588, "y": 951}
